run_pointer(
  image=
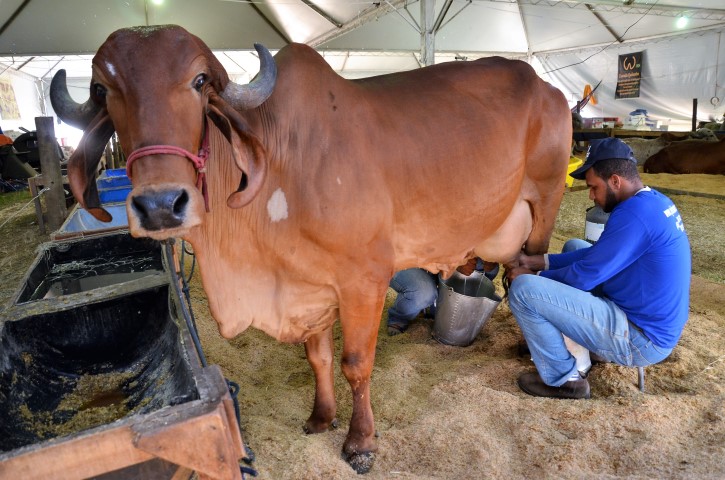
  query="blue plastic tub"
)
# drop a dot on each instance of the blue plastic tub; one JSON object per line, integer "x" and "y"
{"x": 104, "y": 182}
{"x": 114, "y": 195}
{"x": 115, "y": 172}
{"x": 80, "y": 223}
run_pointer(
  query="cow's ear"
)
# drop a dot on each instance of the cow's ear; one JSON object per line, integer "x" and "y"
{"x": 253, "y": 174}
{"x": 83, "y": 163}
{"x": 249, "y": 154}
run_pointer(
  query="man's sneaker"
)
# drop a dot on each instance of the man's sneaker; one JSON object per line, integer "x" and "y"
{"x": 396, "y": 329}
{"x": 532, "y": 384}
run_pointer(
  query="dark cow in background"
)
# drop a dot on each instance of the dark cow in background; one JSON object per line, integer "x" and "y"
{"x": 643, "y": 148}
{"x": 313, "y": 190}
{"x": 689, "y": 157}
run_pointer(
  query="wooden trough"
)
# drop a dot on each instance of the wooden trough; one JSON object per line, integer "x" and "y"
{"x": 99, "y": 374}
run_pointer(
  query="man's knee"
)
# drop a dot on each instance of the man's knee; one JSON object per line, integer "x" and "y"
{"x": 521, "y": 287}
{"x": 575, "y": 244}
{"x": 429, "y": 294}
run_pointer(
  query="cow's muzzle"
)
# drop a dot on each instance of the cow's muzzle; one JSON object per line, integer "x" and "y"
{"x": 161, "y": 209}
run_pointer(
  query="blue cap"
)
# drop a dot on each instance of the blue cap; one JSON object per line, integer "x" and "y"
{"x": 603, "y": 149}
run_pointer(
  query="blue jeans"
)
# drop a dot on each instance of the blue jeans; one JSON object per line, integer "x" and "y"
{"x": 546, "y": 309}
{"x": 417, "y": 289}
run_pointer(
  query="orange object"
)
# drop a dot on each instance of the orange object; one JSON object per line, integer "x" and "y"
{"x": 588, "y": 92}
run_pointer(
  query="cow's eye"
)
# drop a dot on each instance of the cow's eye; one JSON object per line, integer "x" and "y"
{"x": 99, "y": 90}
{"x": 199, "y": 81}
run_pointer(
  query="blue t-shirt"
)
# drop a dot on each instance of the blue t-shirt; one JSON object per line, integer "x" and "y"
{"x": 642, "y": 262}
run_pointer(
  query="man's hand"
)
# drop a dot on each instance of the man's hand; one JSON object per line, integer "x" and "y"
{"x": 533, "y": 263}
{"x": 528, "y": 264}
{"x": 512, "y": 273}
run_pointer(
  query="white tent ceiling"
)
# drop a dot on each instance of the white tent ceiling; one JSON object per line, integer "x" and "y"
{"x": 358, "y": 38}
{"x": 37, "y": 34}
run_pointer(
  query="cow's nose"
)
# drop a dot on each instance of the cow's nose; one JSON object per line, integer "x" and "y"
{"x": 160, "y": 209}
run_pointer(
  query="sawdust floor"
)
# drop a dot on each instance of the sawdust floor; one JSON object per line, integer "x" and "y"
{"x": 456, "y": 413}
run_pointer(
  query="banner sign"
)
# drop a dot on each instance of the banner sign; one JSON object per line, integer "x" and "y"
{"x": 8, "y": 104}
{"x": 629, "y": 75}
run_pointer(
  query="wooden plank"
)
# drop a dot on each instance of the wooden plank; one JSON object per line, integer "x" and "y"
{"x": 201, "y": 435}
{"x": 74, "y": 300}
{"x": 622, "y": 133}
{"x": 236, "y": 432}
{"x": 587, "y": 134}
{"x": 86, "y": 455}
{"x": 193, "y": 438}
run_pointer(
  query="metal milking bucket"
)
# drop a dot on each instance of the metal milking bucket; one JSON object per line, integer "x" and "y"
{"x": 465, "y": 303}
{"x": 596, "y": 218}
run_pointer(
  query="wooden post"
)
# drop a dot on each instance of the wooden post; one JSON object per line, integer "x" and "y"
{"x": 110, "y": 161}
{"x": 50, "y": 168}
{"x": 118, "y": 157}
{"x": 694, "y": 114}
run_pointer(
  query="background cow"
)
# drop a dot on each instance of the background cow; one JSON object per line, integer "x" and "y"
{"x": 689, "y": 157}
{"x": 643, "y": 148}
{"x": 335, "y": 184}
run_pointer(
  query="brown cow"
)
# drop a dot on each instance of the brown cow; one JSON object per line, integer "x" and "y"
{"x": 335, "y": 184}
{"x": 643, "y": 148}
{"x": 689, "y": 157}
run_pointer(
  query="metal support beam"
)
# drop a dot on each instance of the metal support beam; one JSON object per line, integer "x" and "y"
{"x": 322, "y": 13}
{"x": 604, "y": 23}
{"x": 427, "y": 35}
{"x": 271, "y": 25}
{"x": 651, "y": 9}
{"x": 13, "y": 16}
{"x": 376, "y": 10}
{"x": 525, "y": 27}
{"x": 442, "y": 15}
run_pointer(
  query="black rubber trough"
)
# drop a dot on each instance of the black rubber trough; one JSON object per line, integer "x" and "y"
{"x": 99, "y": 376}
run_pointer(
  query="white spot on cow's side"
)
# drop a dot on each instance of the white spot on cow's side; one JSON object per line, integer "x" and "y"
{"x": 277, "y": 206}
{"x": 111, "y": 69}
{"x": 339, "y": 182}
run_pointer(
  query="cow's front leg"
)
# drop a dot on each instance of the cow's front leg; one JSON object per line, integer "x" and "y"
{"x": 360, "y": 326}
{"x": 320, "y": 353}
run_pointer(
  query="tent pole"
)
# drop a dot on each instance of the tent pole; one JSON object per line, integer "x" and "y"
{"x": 427, "y": 36}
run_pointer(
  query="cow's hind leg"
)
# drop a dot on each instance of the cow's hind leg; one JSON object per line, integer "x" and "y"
{"x": 544, "y": 213}
{"x": 320, "y": 352}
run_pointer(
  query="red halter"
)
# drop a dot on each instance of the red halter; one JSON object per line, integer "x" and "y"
{"x": 199, "y": 160}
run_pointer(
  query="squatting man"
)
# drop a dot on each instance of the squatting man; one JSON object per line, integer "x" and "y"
{"x": 625, "y": 298}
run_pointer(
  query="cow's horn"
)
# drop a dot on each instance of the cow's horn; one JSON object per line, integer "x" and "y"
{"x": 76, "y": 114}
{"x": 252, "y": 95}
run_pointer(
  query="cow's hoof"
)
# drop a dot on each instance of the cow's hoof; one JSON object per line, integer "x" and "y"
{"x": 249, "y": 455}
{"x": 360, "y": 462}
{"x": 312, "y": 427}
